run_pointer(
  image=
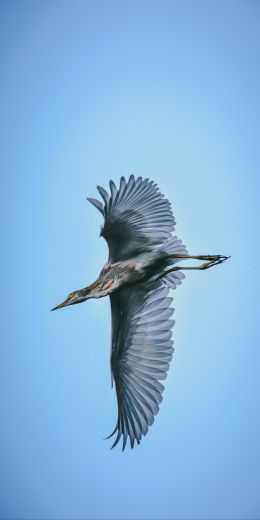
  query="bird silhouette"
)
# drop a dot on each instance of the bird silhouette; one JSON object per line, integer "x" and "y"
{"x": 140, "y": 271}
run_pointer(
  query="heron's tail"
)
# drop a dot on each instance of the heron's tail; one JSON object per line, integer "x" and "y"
{"x": 172, "y": 246}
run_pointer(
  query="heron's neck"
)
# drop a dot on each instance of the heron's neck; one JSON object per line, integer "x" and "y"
{"x": 91, "y": 291}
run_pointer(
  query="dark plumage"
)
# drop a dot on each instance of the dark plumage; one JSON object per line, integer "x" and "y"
{"x": 138, "y": 227}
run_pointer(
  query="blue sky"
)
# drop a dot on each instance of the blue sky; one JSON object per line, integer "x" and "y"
{"x": 94, "y": 90}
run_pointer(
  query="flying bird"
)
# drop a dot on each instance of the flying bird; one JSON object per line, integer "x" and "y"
{"x": 142, "y": 267}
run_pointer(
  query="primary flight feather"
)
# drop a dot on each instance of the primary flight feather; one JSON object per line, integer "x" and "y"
{"x": 141, "y": 270}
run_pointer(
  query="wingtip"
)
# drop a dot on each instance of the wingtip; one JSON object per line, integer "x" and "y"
{"x": 111, "y": 434}
{"x": 112, "y": 184}
{"x": 97, "y": 204}
{"x": 116, "y": 441}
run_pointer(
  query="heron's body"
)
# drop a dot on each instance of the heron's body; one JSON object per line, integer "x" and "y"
{"x": 138, "y": 275}
{"x": 143, "y": 267}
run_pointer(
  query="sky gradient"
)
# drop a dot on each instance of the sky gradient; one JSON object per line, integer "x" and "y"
{"x": 92, "y": 90}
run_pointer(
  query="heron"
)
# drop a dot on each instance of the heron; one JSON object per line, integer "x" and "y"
{"x": 143, "y": 265}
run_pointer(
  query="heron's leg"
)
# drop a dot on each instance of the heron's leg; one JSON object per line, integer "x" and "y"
{"x": 209, "y": 258}
{"x": 211, "y": 261}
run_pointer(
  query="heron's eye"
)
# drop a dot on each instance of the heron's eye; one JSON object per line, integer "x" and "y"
{"x": 70, "y": 295}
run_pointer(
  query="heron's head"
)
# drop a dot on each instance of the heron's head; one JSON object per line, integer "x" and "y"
{"x": 75, "y": 297}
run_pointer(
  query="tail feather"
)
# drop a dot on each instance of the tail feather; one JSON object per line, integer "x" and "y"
{"x": 173, "y": 246}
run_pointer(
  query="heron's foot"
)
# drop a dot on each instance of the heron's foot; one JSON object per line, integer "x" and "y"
{"x": 212, "y": 260}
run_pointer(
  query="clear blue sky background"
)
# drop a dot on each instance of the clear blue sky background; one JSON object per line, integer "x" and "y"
{"x": 90, "y": 91}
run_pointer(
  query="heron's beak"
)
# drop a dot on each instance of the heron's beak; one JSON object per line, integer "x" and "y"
{"x": 63, "y": 304}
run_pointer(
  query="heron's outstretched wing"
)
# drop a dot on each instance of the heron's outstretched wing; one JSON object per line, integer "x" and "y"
{"x": 136, "y": 215}
{"x": 140, "y": 356}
